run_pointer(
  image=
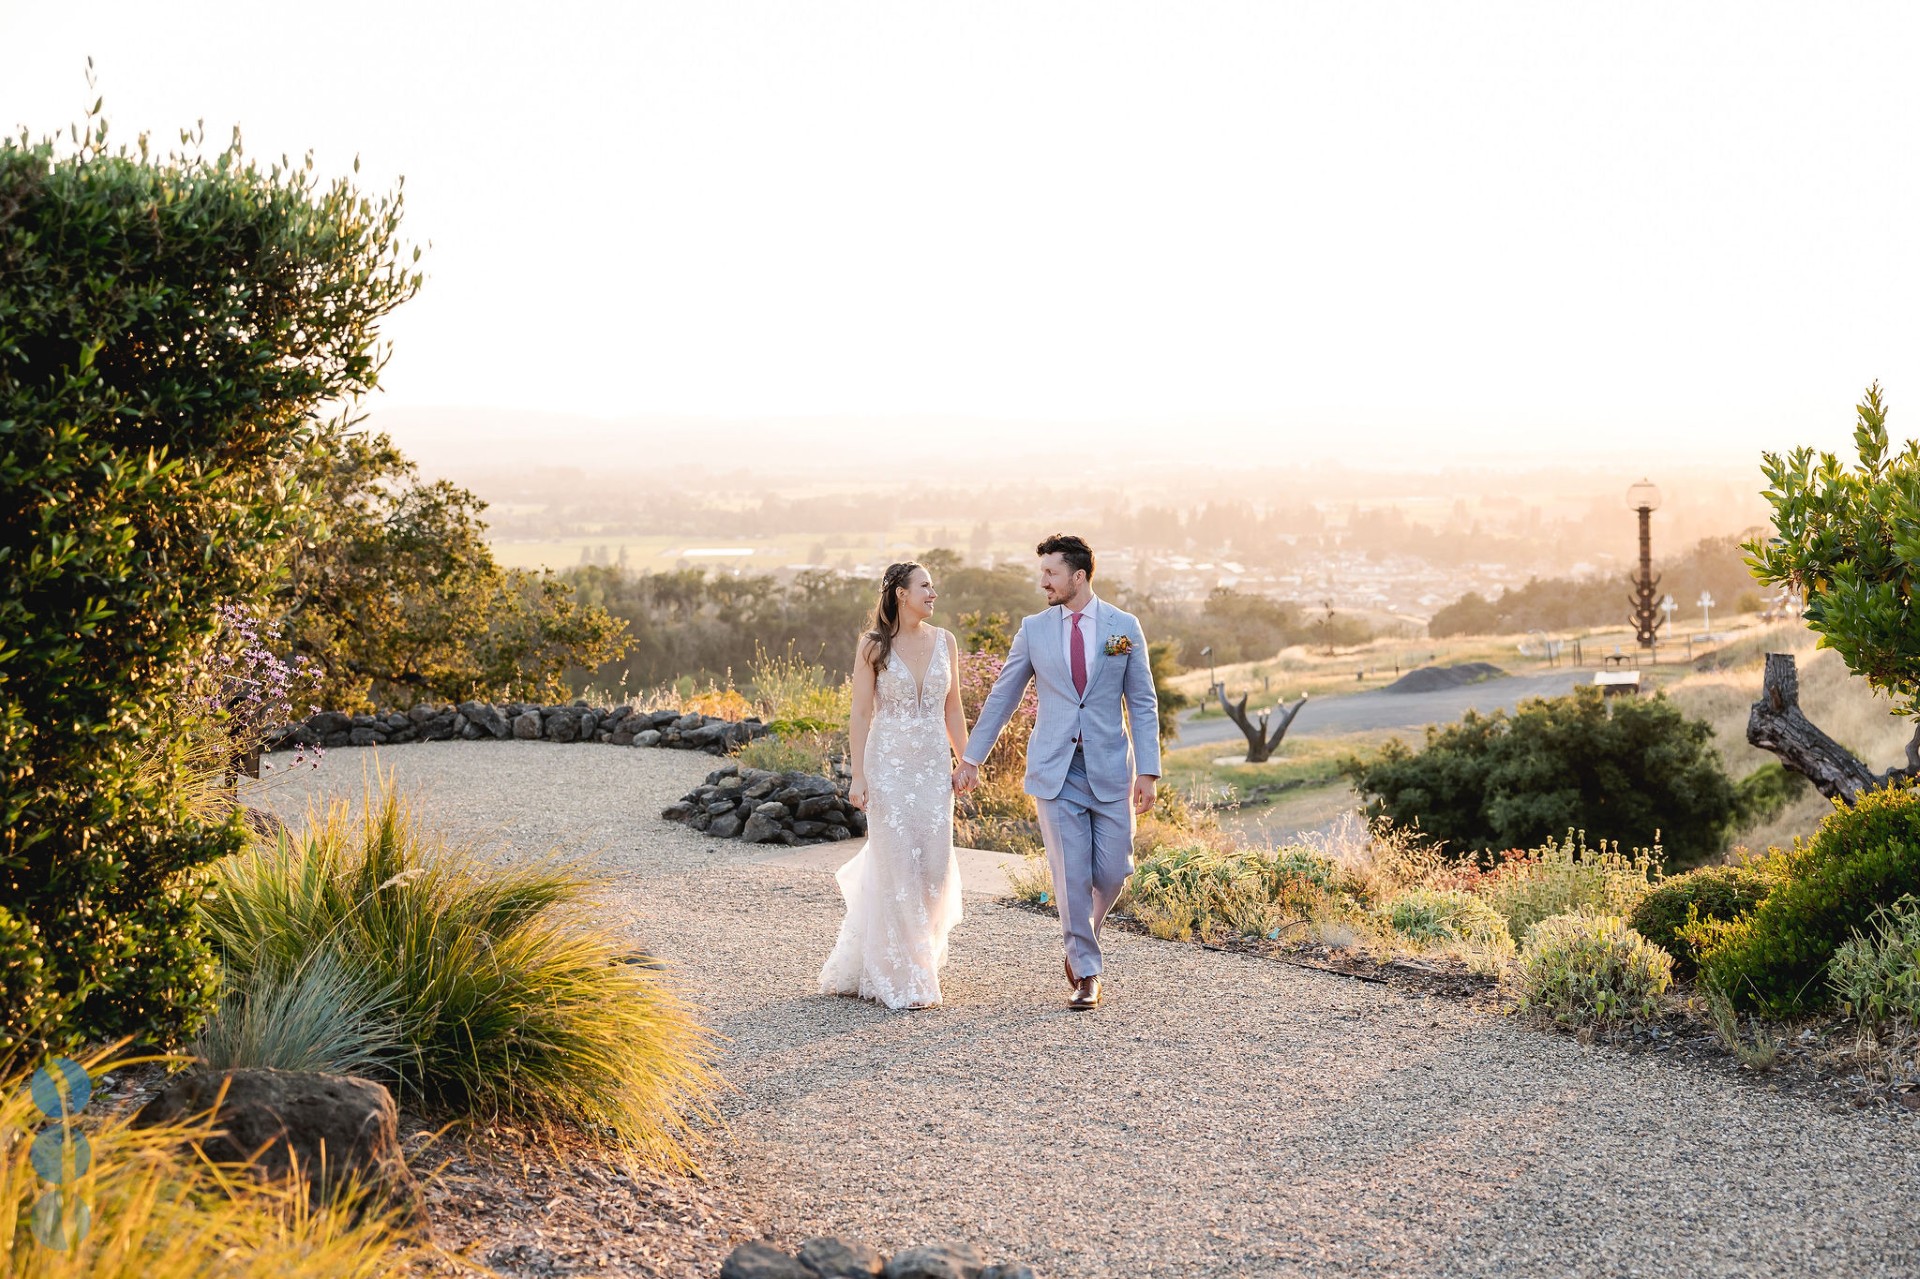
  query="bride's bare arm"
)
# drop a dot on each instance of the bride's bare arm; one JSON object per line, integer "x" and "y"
{"x": 860, "y": 722}
{"x": 956, "y": 715}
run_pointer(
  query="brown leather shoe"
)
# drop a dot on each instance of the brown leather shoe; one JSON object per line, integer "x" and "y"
{"x": 1086, "y": 995}
{"x": 1068, "y": 965}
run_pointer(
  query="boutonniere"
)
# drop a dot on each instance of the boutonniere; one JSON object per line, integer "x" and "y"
{"x": 1118, "y": 645}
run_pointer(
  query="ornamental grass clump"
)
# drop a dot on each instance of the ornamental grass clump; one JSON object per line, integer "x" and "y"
{"x": 1437, "y": 916}
{"x": 319, "y": 1015}
{"x": 1565, "y": 876}
{"x": 147, "y": 1206}
{"x": 1876, "y": 974}
{"x": 504, "y": 994}
{"x": 1591, "y": 969}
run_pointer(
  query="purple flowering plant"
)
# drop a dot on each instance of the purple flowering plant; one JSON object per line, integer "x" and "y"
{"x": 247, "y": 690}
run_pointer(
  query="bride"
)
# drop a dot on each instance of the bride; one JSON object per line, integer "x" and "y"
{"x": 903, "y": 887}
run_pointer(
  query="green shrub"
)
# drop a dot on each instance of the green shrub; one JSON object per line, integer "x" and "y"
{"x": 1708, "y": 892}
{"x": 172, "y": 329}
{"x": 1563, "y": 877}
{"x": 1637, "y": 768}
{"x": 1434, "y": 916}
{"x": 506, "y": 999}
{"x": 1861, "y": 858}
{"x": 1200, "y": 887}
{"x": 318, "y": 1016}
{"x": 1876, "y": 976}
{"x": 1592, "y": 969}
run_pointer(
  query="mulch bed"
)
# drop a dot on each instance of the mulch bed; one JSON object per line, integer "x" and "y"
{"x": 521, "y": 1202}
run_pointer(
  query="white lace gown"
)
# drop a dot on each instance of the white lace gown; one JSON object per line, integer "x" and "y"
{"x": 903, "y": 887}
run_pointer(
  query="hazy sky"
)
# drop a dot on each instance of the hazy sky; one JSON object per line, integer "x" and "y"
{"x": 1356, "y": 227}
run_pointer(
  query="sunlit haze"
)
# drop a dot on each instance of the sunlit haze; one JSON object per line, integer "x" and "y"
{"x": 1383, "y": 233}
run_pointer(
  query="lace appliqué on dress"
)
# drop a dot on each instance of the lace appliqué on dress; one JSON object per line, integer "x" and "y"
{"x": 903, "y": 887}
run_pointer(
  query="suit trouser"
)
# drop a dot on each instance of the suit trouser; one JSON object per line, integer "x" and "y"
{"x": 1090, "y": 851}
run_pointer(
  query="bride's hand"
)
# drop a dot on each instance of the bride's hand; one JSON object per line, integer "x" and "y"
{"x": 857, "y": 793}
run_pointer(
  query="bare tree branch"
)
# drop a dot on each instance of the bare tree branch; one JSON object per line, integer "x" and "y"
{"x": 1777, "y": 724}
{"x": 1260, "y": 744}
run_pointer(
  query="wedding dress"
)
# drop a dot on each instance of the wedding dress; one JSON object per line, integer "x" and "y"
{"x": 903, "y": 888}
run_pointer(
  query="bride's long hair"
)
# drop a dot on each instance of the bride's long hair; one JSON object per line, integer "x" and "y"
{"x": 884, "y": 624}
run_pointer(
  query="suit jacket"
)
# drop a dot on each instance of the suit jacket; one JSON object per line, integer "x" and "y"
{"x": 1116, "y": 721}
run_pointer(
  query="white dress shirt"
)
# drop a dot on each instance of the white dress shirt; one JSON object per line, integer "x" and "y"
{"x": 1088, "y": 616}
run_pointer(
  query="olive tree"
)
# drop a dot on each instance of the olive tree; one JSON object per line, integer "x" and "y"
{"x": 1847, "y": 538}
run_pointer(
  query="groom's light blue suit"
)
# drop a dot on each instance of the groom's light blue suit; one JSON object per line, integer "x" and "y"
{"x": 1081, "y": 759}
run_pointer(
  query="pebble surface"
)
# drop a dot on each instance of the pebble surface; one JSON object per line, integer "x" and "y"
{"x": 1220, "y": 1115}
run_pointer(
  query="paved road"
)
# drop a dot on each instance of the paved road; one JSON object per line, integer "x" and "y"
{"x": 1221, "y": 1116}
{"x": 1367, "y": 712}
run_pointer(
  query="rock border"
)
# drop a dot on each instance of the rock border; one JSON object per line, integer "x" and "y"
{"x": 523, "y": 721}
{"x": 831, "y": 1258}
{"x": 760, "y": 807}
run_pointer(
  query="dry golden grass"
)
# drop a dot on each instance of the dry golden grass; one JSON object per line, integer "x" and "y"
{"x": 155, "y": 1210}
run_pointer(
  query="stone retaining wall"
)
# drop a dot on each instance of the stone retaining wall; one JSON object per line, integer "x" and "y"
{"x": 482, "y": 721}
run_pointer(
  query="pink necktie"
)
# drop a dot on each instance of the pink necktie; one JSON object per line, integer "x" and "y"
{"x": 1079, "y": 660}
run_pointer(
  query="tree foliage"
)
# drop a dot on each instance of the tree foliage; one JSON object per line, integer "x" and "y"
{"x": 393, "y": 596}
{"x": 1633, "y": 770}
{"x": 173, "y": 332}
{"x": 1848, "y": 538}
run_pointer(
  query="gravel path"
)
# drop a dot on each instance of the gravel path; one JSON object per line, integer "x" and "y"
{"x": 1220, "y": 1116}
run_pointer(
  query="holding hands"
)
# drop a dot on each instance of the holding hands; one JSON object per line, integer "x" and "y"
{"x": 965, "y": 777}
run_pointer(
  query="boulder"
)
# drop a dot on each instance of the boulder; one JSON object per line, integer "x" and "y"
{"x": 614, "y": 716}
{"x": 936, "y": 1261}
{"x": 423, "y": 712}
{"x": 706, "y": 737}
{"x": 761, "y": 829}
{"x": 526, "y": 726}
{"x": 647, "y": 737}
{"x": 758, "y": 1260}
{"x": 328, "y": 722}
{"x": 678, "y": 811}
{"x": 396, "y": 722}
{"x": 589, "y": 725}
{"x": 365, "y": 737}
{"x": 727, "y": 825}
{"x": 831, "y": 1258}
{"x": 817, "y": 806}
{"x": 339, "y": 1130}
{"x": 562, "y": 726}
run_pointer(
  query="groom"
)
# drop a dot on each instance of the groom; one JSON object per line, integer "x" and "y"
{"x": 1088, "y": 661}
